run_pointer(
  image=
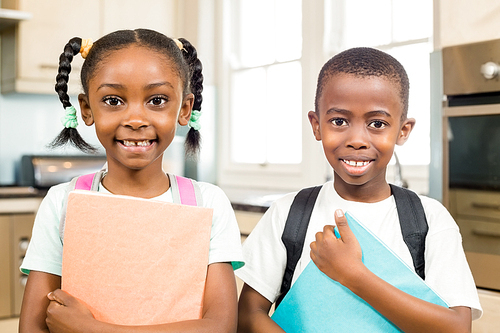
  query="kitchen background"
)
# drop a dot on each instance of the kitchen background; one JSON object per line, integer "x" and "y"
{"x": 261, "y": 60}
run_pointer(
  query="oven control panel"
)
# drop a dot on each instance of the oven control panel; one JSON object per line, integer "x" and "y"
{"x": 471, "y": 68}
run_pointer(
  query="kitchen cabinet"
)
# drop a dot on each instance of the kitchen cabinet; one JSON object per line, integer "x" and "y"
{"x": 30, "y": 50}
{"x": 15, "y": 233}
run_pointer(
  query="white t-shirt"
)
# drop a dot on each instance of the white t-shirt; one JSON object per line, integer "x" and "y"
{"x": 446, "y": 269}
{"x": 45, "y": 249}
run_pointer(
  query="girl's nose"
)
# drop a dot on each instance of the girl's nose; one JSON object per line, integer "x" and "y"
{"x": 135, "y": 117}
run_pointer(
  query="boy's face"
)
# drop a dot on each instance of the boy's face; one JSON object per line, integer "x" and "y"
{"x": 359, "y": 122}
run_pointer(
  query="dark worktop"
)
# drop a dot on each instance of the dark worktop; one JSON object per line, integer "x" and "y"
{"x": 15, "y": 192}
{"x": 252, "y": 200}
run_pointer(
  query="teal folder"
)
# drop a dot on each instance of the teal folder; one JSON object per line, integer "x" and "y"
{"x": 316, "y": 303}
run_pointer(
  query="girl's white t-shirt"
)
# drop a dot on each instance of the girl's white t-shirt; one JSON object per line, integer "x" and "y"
{"x": 446, "y": 269}
{"x": 45, "y": 249}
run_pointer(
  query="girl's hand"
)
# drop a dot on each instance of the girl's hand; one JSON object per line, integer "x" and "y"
{"x": 338, "y": 258}
{"x": 66, "y": 313}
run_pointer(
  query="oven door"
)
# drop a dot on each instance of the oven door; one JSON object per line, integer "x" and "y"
{"x": 472, "y": 185}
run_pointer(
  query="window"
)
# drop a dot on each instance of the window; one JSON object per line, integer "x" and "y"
{"x": 267, "y": 80}
{"x": 265, "y": 75}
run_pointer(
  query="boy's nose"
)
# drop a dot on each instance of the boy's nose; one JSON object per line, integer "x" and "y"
{"x": 358, "y": 139}
{"x": 135, "y": 117}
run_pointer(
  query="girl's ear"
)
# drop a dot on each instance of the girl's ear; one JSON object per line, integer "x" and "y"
{"x": 87, "y": 115}
{"x": 314, "y": 120}
{"x": 404, "y": 132}
{"x": 185, "y": 113}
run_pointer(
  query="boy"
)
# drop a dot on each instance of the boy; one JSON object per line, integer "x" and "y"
{"x": 360, "y": 115}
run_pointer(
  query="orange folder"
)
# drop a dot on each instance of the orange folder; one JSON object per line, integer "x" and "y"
{"x": 135, "y": 261}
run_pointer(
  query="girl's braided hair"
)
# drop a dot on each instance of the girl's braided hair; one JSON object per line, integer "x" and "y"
{"x": 186, "y": 65}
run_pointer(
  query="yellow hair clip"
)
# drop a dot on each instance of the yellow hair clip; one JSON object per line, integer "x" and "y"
{"x": 85, "y": 48}
{"x": 179, "y": 45}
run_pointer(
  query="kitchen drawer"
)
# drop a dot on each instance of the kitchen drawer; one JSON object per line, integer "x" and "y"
{"x": 485, "y": 204}
{"x": 480, "y": 236}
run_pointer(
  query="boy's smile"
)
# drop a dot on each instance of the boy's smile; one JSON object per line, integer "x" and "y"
{"x": 359, "y": 122}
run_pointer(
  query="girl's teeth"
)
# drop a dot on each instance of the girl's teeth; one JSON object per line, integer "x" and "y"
{"x": 356, "y": 164}
{"x": 143, "y": 143}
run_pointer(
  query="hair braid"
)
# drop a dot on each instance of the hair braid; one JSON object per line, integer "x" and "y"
{"x": 70, "y": 135}
{"x": 193, "y": 139}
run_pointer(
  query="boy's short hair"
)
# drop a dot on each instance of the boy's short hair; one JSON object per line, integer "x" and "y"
{"x": 365, "y": 62}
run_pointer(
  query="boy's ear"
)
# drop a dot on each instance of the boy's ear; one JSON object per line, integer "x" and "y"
{"x": 404, "y": 132}
{"x": 314, "y": 120}
{"x": 87, "y": 116}
{"x": 185, "y": 113}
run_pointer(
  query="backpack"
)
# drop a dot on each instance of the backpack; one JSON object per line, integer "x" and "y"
{"x": 184, "y": 191}
{"x": 411, "y": 215}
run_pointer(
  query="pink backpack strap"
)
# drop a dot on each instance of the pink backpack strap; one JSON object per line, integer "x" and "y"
{"x": 185, "y": 191}
{"x": 84, "y": 182}
{"x": 88, "y": 182}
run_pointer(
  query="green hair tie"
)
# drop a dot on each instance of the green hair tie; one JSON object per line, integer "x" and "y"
{"x": 194, "y": 121}
{"x": 69, "y": 120}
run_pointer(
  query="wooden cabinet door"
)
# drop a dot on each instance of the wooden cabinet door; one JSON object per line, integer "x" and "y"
{"x": 30, "y": 51}
{"x": 5, "y": 268}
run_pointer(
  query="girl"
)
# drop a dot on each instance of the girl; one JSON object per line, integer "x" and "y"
{"x": 138, "y": 85}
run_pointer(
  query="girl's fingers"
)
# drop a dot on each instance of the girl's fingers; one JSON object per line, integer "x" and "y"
{"x": 57, "y": 296}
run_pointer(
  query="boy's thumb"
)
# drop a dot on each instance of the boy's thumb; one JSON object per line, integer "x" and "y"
{"x": 342, "y": 225}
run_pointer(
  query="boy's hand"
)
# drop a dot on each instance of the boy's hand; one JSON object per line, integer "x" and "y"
{"x": 66, "y": 313}
{"x": 338, "y": 258}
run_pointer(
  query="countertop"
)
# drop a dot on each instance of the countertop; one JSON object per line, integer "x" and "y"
{"x": 14, "y": 192}
{"x": 252, "y": 200}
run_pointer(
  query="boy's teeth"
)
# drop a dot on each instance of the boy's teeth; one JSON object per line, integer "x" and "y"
{"x": 143, "y": 143}
{"x": 356, "y": 164}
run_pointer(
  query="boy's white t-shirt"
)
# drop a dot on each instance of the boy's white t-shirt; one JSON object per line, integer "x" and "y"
{"x": 45, "y": 249}
{"x": 446, "y": 269}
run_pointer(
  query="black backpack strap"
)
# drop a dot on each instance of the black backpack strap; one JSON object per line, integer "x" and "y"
{"x": 413, "y": 225}
{"x": 294, "y": 233}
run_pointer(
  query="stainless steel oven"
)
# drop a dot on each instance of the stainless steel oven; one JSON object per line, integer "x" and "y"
{"x": 471, "y": 153}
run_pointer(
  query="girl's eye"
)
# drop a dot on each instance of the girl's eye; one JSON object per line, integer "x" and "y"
{"x": 158, "y": 100}
{"x": 377, "y": 124}
{"x": 339, "y": 122}
{"x": 112, "y": 101}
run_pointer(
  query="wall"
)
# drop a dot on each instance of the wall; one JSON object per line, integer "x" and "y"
{"x": 28, "y": 122}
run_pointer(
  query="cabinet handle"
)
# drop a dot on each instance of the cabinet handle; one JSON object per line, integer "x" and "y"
{"x": 485, "y": 233}
{"x": 485, "y": 206}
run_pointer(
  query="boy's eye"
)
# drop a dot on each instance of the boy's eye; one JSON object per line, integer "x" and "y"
{"x": 112, "y": 101}
{"x": 377, "y": 124}
{"x": 158, "y": 100}
{"x": 339, "y": 122}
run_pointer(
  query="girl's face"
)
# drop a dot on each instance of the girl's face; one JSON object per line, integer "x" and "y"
{"x": 135, "y": 99}
{"x": 359, "y": 123}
